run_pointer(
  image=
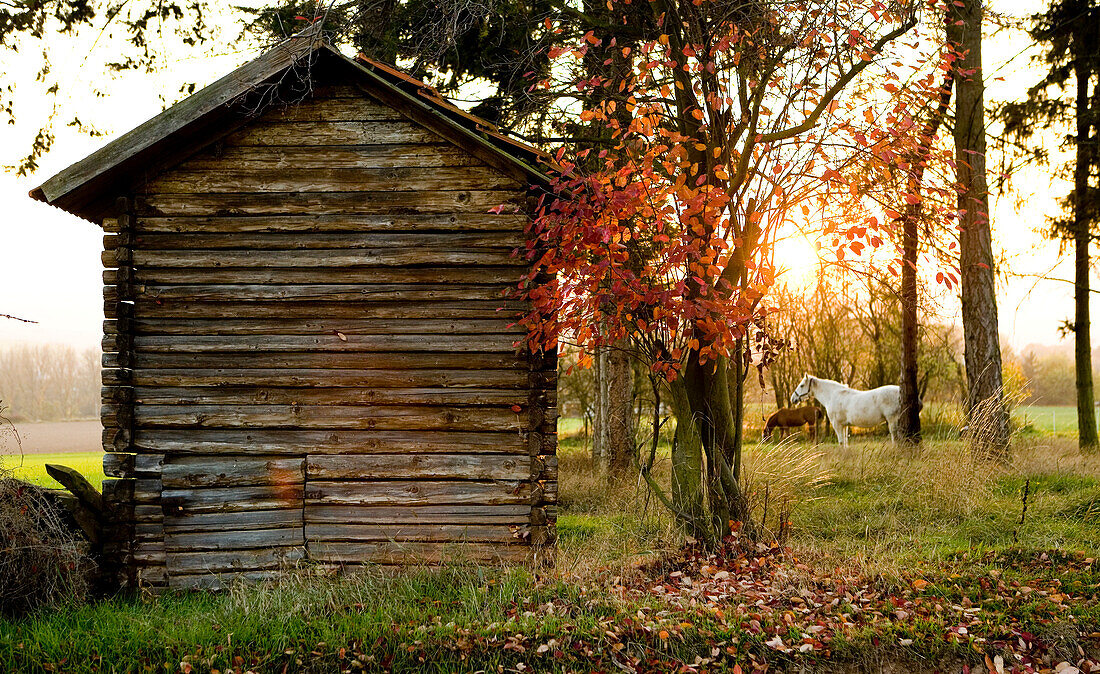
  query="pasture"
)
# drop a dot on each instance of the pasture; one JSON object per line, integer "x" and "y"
{"x": 32, "y": 467}
{"x": 1059, "y": 420}
{"x": 884, "y": 556}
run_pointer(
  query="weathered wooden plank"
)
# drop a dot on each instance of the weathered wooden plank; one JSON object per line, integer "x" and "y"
{"x": 418, "y": 492}
{"x": 418, "y": 466}
{"x": 251, "y": 519}
{"x": 232, "y": 560}
{"x": 331, "y": 156}
{"x": 179, "y": 502}
{"x": 118, "y": 465}
{"x": 232, "y": 540}
{"x": 418, "y": 553}
{"x": 231, "y": 179}
{"x": 326, "y": 378}
{"x": 319, "y": 326}
{"x": 333, "y": 223}
{"x": 149, "y": 553}
{"x": 476, "y": 309}
{"x": 189, "y": 472}
{"x": 145, "y": 532}
{"x": 147, "y": 490}
{"x": 147, "y": 395}
{"x": 152, "y": 576}
{"x": 327, "y": 416}
{"x": 497, "y": 276}
{"x": 332, "y": 133}
{"x": 318, "y": 293}
{"x": 117, "y": 490}
{"x": 149, "y": 465}
{"x": 332, "y": 110}
{"x": 217, "y": 581}
{"x": 118, "y": 310}
{"x": 455, "y": 533}
{"x": 508, "y": 239}
{"x": 333, "y": 258}
{"x": 297, "y": 442}
{"x": 321, "y": 203}
{"x": 381, "y": 360}
{"x": 429, "y": 514}
{"x": 148, "y": 513}
{"x": 331, "y": 343}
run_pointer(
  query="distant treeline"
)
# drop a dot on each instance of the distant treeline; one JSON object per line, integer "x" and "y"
{"x": 1050, "y": 376}
{"x": 49, "y": 382}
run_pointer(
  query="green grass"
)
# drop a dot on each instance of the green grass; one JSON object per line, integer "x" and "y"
{"x": 32, "y": 467}
{"x": 1060, "y": 420}
{"x": 872, "y": 512}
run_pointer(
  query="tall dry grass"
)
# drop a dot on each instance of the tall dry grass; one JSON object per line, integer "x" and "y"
{"x": 780, "y": 479}
{"x": 607, "y": 528}
{"x": 43, "y": 562}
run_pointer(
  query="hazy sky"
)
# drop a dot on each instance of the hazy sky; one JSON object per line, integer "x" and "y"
{"x": 50, "y": 268}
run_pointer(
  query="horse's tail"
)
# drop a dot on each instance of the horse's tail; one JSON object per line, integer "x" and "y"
{"x": 920, "y": 404}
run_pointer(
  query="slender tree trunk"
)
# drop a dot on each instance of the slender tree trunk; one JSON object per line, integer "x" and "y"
{"x": 622, "y": 452}
{"x": 1082, "y": 342}
{"x": 986, "y": 413}
{"x": 599, "y": 418}
{"x": 909, "y": 422}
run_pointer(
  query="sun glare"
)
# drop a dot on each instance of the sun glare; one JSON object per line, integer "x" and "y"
{"x": 797, "y": 261}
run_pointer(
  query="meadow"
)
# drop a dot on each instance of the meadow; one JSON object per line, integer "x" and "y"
{"x": 872, "y": 556}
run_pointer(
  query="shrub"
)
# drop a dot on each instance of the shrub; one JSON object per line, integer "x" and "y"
{"x": 43, "y": 562}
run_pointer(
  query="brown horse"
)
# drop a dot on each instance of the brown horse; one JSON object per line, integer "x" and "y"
{"x": 793, "y": 417}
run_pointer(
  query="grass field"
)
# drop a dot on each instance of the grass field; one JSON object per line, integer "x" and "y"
{"x": 1059, "y": 420}
{"x": 31, "y": 467}
{"x": 889, "y": 556}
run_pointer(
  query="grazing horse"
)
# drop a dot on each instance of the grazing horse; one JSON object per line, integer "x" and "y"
{"x": 793, "y": 418}
{"x": 847, "y": 406}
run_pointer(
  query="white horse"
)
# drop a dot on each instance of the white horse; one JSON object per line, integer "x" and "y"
{"x": 847, "y": 406}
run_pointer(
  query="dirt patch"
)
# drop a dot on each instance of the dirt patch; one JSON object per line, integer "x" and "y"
{"x": 51, "y": 437}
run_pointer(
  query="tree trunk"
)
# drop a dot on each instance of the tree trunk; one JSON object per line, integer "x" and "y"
{"x": 687, "y": 463}
{"x": 1082, "y": 342}
{"x": 613, "y": 431}
{"x": 986, "y": 413}
{"x": 599, "y": 417}
{"x": 909, "y": 422}
{"x": 621, "y": 451}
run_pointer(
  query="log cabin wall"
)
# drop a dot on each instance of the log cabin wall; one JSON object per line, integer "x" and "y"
{"x": 306, "y": 356}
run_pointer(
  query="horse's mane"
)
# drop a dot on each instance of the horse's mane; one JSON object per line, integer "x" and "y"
{"x": 830, "y": 381}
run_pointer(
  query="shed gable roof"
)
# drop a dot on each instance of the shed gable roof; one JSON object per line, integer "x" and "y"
{"x": 85, "y": 188}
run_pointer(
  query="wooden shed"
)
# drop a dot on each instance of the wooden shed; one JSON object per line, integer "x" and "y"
{"x": 308, "y": 353}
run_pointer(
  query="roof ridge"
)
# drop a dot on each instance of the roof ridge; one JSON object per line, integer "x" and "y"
{"x": 432, "y": 95}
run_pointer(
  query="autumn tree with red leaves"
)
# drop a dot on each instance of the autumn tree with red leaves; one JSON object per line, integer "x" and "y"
{"x": 741, "y": 117}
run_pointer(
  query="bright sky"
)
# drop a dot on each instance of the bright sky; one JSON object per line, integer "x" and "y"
{"x": 50, "y": 269}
